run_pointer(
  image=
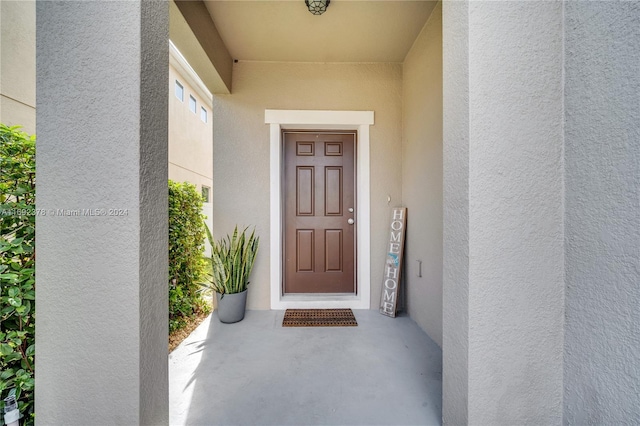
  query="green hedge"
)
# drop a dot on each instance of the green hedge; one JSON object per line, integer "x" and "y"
{"x": 17, "y": 268}
{"x": 187, "y": 267}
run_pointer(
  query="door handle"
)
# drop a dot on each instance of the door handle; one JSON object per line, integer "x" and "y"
{"x": 350, "y": 221}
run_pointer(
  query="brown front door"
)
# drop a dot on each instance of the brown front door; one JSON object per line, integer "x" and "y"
{"x": 319, "y": 212}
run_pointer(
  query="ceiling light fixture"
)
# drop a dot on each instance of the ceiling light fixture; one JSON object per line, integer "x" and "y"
{"x": 317, "y": 7}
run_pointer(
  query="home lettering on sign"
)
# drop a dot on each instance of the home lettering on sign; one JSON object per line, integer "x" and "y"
{"x": 393, "y": 263}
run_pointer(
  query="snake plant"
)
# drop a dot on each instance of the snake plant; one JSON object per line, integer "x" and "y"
{"x": 232, "y": 260}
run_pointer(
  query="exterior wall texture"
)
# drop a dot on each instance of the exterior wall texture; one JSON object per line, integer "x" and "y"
{"x": 102, "y": 299}
{"x": 190, "y": 139}
{"x": 18, "y": 64}
{"x": 516, "y": 265}
{"x": 422, "y": 175}
{"x": 602, "y": 213}
{"x": 515, "y": 217}
{"x": 455, "y": 244}
{"x": 241, "y": 146}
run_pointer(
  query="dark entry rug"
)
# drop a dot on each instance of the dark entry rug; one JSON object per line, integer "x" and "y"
{"x": 319, "y": 318}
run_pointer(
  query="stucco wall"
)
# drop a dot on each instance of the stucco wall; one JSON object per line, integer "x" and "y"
{"x": 422, "y": 175}
{"x": 241, "y": 146}
{"x": 18, "y": 64}
{"x": 190, "y": 139}
{"x": 602, "y": 213}
{"x": 516, "y": 265}
{"x": 515, "y": 211}
{"x": 455, "y": 244}
{"x": 102, "y": 299}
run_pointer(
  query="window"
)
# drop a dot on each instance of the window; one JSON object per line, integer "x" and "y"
{"x": 192, "y": 104}
{"x": 179, "y": 91}
{"x": 205, "y": 193}
{"x": 203, "y": 114}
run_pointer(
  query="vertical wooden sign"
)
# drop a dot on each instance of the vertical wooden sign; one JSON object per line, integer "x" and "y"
{"x": 393, "y": 263}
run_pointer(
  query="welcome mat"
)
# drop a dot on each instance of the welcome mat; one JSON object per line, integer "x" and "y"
{"x": 319, "y": 318}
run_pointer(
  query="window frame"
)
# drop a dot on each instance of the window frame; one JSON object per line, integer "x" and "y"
{"x": 207, "y": 198}
{"x": 181, "y": 87}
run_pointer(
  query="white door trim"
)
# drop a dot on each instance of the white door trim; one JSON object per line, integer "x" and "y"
{"x": 321, "y": 120}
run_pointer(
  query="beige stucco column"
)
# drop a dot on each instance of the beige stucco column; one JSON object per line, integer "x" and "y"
{"x": 503, "y": 220}
{"x": 101, "y": 327}
{"x": 602, "y": 213}
{"x": 541, "y": 208}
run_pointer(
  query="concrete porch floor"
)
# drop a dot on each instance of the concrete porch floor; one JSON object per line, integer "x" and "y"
{"x": 384, "y": 372}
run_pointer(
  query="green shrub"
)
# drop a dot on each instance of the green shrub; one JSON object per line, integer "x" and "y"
{"x": 187, "y": 267}
{"x": 17, "y": 267}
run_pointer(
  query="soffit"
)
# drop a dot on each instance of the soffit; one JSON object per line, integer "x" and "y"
{"x": 349, "y": 31}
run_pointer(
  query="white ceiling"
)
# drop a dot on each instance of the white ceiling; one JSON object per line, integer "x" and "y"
{"x": 349, "y": 31}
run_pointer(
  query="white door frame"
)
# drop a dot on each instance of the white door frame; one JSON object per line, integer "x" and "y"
{"x": 321, "y": 120}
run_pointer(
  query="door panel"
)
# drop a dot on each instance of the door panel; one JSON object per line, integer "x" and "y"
{"x": 333, "y": 191}
{"x": 319, "y": 194}
{"x": 305, "y": 191}
{"x": 333, "y": 250}
{"x": 304, "y": 250}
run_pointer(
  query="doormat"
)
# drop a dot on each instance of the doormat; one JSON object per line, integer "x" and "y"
{"x": 319, "y": 318}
